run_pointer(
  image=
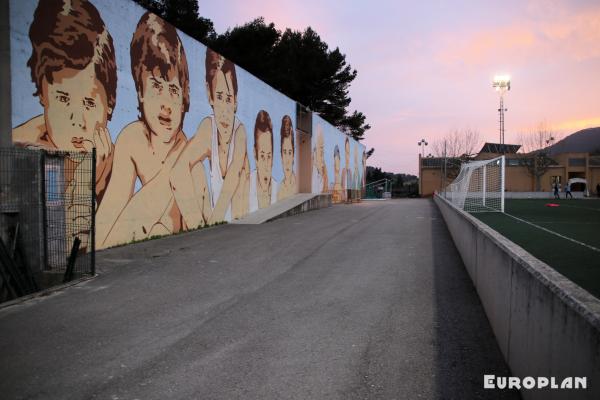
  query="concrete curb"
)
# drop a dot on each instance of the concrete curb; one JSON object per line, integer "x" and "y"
{"x": 545, "y": 324}
{"x": 46, "y": 292}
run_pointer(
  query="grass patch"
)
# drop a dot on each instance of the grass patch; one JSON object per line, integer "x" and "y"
{"x": 575, "y": 219}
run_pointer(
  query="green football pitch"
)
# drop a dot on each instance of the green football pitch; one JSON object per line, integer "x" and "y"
{"x": 566, "y": 237}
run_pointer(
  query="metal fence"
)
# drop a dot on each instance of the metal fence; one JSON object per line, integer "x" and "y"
{"x": 46, "y": 219}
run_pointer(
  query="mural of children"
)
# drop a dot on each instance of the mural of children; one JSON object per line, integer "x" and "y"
{"x": 287, "y": 186}
{"x": 147, "y": 148}
{"x": 347, "y": 172}
{"x": 356, "y": 184}
{"x": 221, "y": 138}
{"x": 320, "y": 183}
{"x": 337, "y": 191}
{"x": 364, "y": 169}
{"x": 263, "y": 188}
{"x": 75, "y": 74}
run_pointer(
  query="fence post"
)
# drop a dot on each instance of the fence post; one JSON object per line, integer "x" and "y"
{"x": 44, "y": 205}
{"x": 93, "y": 225}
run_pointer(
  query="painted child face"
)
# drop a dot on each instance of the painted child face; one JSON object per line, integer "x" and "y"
{"x": 162, "y": 104}
{"x": 75, "y": 105}
{"x": 223, "y": 102}
{"x": 287, "y": 156}
{"x": 264, "y": 157}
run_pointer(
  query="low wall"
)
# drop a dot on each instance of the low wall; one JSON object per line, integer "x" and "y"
{"x": 545, "y": 325}
{"x": 318, "y": 201}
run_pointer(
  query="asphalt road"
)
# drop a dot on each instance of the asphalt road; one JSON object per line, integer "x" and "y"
{"x": 366, "y": 301}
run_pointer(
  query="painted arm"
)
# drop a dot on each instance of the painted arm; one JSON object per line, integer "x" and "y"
{"x": 240, "y": 203}
{"x": 104, "y": 160}
{"x": 325, "y": 179}
{"x": 148, "y": 206}
{"x": 119, "y": 190}
{"x": 189, "y": 197}
{"x": 232, "y": 177}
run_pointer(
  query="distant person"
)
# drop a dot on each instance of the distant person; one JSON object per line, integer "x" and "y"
{"x": 598, "y": 189}
{"x": 568, "y": 191}
{"x": 556, "y": 196}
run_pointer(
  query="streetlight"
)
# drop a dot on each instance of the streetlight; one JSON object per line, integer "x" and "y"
{"x": 502, "y": 85}
{"x": 422, "y": 145}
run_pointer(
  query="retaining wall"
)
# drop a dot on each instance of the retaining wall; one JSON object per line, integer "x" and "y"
{"x": 545, "y": 325}
{"x": 318, "y": 201}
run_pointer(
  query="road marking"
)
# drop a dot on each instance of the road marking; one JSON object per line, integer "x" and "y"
{"x": 555, "y": 233}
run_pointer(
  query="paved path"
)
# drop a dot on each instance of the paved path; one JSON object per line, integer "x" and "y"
{"x": 363, "y": 301}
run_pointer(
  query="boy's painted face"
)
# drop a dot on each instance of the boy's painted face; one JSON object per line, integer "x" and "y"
{"x": 162, "y": 104}
{"x": 264, "y": 157}
{"x": 75, "y": 105}
{"x": 287, "y": 156}
{"x": 223, "y": 102}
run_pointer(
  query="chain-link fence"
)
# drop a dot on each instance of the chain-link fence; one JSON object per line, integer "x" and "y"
{"x": 46, "y": 219}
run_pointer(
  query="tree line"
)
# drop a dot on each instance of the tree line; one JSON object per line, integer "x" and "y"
{"x": 298, "y": 64}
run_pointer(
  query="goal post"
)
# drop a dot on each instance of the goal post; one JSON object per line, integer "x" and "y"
{"x": 479, "y": 186}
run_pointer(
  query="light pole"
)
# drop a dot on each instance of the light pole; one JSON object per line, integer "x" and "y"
{"x": 502, "y": 85}
{"x": 422, "y": 145}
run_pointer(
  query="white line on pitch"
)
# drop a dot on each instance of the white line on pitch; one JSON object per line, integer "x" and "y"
{"x": 554, "y": 233}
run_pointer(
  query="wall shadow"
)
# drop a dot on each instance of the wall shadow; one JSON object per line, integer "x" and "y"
{"x": 465, "y": 345}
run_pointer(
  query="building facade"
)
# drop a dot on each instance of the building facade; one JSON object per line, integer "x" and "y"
{"x": 519, "y": 175}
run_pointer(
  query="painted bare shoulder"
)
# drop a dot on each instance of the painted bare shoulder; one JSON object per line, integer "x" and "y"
{"x": 30, "y": 132}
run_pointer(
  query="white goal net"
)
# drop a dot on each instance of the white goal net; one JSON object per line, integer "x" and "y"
{"x": 479, "y": 186}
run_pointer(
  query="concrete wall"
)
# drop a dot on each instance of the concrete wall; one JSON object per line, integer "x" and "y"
{"x": 339, "y": 163}
{"x": 184, "y": 137}
{"x": 545, "y": 325}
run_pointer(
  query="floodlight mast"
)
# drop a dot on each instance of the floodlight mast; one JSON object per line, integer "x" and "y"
{"x": 422, "y": 145}
{"x": 502, "y": 85}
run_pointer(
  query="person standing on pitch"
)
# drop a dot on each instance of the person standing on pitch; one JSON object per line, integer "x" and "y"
{"x": 556, "y": 196}
{"x": 598, "y": 189}
{"x": 568, "y": 191}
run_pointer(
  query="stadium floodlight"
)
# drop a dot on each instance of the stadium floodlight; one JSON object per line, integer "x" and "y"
{"x": 422, "y": 145}
{"x": 502, "y": 85}
{"x": 479, "y": 186}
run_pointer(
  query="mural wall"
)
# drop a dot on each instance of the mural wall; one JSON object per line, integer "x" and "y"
{"x": 183, "y": 137}
{"x": 338, "y": 162}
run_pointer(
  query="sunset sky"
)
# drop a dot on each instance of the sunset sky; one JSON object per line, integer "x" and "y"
{"x": 426, "y": 68}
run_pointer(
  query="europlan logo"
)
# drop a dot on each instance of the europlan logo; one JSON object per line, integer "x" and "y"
{"x": 529, "y": 382}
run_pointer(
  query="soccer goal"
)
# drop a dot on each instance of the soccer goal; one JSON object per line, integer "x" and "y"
{"x": 479, "y": 186}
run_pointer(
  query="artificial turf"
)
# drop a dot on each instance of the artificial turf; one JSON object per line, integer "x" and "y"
{"x": 576, "y": 219}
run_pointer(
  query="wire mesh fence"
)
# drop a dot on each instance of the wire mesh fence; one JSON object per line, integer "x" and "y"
{"x": 46, "y": 219}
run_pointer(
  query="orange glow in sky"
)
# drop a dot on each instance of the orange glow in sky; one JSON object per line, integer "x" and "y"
{"x": 426, "y": 68}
